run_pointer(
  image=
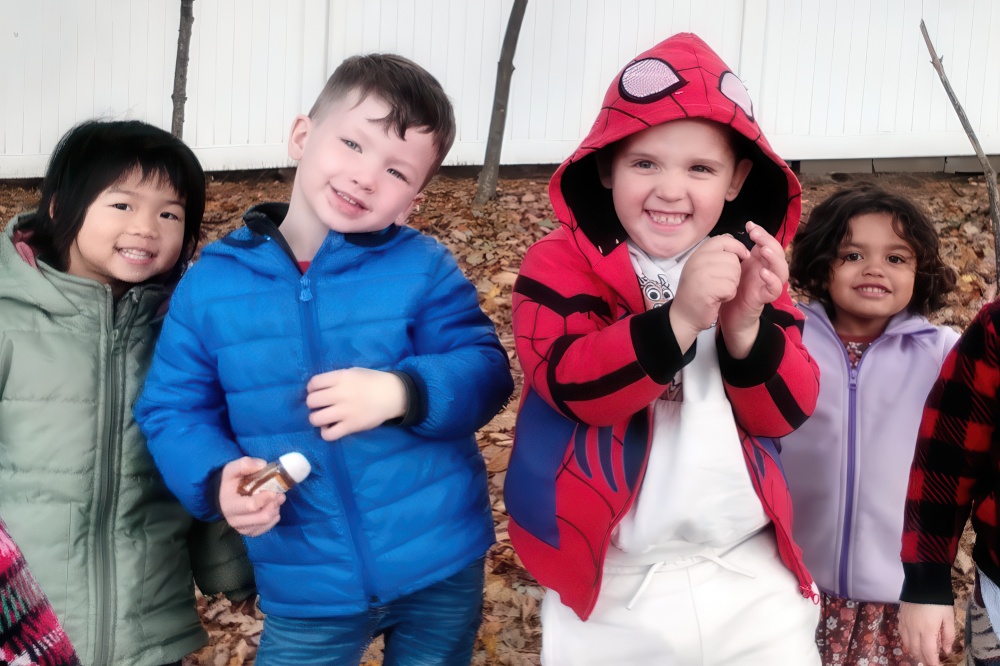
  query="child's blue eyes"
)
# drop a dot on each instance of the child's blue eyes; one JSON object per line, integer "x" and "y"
{"x": 353, "y": 145}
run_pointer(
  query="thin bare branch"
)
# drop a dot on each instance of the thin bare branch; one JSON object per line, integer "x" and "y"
{"x": 494, "y": 141}
{"x": 991, "y": 175}
{"x": 179, "y": 97}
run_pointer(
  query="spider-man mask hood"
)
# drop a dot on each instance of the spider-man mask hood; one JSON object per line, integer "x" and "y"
{"x": 680, "y": 77}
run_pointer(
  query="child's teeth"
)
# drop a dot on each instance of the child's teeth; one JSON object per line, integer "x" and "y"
{"x": 667, "y": 218}
{"x": 135, "y": 254}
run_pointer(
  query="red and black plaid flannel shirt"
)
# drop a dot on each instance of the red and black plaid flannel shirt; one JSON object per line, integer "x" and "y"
{"x": 955, "y": 466}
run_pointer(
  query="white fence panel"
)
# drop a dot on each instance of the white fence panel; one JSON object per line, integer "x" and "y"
{"x": 246, "y": 76}
{"x": 852, "y": 79}
{"x": 830, "y": 80}
{"x": 62, "y": 61}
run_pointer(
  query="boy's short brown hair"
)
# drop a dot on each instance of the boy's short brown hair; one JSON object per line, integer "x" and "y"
{"x": 415, "y": 98}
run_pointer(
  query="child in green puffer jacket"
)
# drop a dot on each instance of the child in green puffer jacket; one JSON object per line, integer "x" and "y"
{"x": 84, "y": 283}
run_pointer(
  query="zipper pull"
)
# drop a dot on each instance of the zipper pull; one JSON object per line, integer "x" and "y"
{"x": 854, "y": 378}
{"x": 306, "y": 293}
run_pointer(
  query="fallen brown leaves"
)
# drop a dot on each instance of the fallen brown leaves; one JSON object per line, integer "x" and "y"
{"x": 489, "y": 245}
{"x": 233, "y": 634}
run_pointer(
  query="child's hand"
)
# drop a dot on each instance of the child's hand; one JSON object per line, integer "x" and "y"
{"x": 763, "y": 275}
{"x": 353, "y": 400}
{"x": 250, "y": 516}
{"x": 711, "y": 277}
{"x": 927, "y": 630}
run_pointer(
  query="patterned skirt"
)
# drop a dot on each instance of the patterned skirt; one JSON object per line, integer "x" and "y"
{"x": 860, "y": 633}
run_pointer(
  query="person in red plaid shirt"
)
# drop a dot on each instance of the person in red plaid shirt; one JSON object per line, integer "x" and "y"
{"x": 955, "y": 472}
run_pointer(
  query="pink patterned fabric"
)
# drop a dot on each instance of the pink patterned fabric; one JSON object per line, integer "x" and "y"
{"x": 30, "y": 634}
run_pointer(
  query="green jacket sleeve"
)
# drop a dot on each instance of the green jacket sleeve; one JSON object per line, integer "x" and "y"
{"x": 219, "y": 561}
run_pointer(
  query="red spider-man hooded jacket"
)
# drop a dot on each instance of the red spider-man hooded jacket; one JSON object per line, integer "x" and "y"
{"x": 594, "y": 359}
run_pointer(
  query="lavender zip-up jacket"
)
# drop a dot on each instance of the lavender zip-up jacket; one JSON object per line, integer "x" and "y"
{"x": 848, "y": 465}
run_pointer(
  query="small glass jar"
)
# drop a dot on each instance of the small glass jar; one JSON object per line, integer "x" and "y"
{"x": 279, "y": 476}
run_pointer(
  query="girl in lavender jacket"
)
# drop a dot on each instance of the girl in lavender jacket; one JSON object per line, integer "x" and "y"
{"x": 869, "y": 263}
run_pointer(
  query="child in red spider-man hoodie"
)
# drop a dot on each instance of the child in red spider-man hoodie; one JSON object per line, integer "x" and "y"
{"x": 661, "y": 355}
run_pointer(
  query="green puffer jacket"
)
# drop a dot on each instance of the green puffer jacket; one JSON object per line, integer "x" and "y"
{"x": 79, "y": 491}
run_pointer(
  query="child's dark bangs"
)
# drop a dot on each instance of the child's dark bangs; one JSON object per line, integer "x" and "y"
{"x": 161, "y": 171}
{"x": 154, "y": 172}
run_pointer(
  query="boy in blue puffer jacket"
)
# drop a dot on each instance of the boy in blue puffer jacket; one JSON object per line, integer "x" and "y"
{"x": 326, "y": 326}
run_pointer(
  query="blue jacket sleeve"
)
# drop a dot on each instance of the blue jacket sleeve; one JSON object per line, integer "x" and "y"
{"x": 182, "y": 410}
{"x": 460, "y": 369}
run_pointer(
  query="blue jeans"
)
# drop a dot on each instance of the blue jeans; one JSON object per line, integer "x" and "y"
{"x": 435, "y": 626}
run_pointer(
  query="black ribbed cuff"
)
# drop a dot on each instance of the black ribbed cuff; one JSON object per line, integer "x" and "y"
{"x": 760, "y": 364}
{"x": 656, "y": 346}
{"x": 927, "y": 583}
{"x": 415, "y": 403}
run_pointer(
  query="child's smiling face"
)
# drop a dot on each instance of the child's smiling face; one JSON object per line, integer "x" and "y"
{"x": 355, "y": 174}
{"x": 132, "y": 232}
{"x": 872, "y": 278}
{"x": 670, "y": 182}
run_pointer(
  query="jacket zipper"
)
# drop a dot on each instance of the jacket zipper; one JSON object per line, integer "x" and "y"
{"x": 342, "y": 485}
{"x": 104, "y": 644}
{"x": 845, "y": 541}
{"x": 852, "y": 445}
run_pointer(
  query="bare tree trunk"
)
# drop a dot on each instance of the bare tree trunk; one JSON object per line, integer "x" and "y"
{"x": 494, "y": 141}
{"x": 179, "y": 97}
{"x": 991, "y": 175}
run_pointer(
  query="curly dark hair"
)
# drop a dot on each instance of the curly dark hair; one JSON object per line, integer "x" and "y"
{"x": 816, "y": 244}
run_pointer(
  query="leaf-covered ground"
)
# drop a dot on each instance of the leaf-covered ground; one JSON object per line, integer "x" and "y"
{"x": 489, "y": 245}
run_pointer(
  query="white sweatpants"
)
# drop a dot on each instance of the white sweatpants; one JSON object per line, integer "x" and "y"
{"x": 703, "y": 614}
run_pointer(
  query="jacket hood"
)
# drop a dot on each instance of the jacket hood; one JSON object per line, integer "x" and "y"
{"x": 680, "y": 77}
{"x": 901, "y": 323}
{"x": 22, "y": 279}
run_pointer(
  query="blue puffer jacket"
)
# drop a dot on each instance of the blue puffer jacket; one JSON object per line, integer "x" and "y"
{"x": 385, "y": 512}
